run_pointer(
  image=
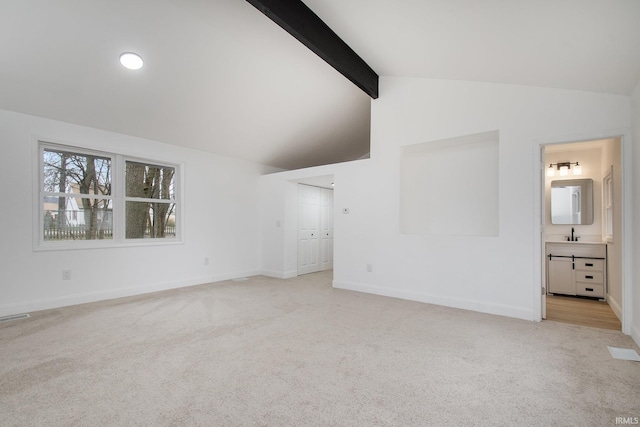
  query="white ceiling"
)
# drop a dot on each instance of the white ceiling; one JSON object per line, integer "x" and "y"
{"x": 219, "y": 76}
{"x": 591, "y": 45}
{"x": 578, "y": 146}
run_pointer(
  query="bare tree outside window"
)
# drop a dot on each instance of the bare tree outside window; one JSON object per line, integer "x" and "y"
{"x": 77, "y": 199}
{"x": 150, "y": 201}
{"x": 87, "y": 195}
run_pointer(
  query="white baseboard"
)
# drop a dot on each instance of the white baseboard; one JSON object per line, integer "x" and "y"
{"x": 635, "y": 334}
{"x": 615, "y": 307}
{"x": 230, "y": 276}
{"x": 280, "y": 274}
{"x": 74, "y": 299}
{"x": 482, "y": 307}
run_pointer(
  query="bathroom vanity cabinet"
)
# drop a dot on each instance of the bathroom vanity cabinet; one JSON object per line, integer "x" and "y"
{"x": 577, "y": 269}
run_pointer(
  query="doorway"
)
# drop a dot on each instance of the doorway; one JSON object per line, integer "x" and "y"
{"x": 315, "y": 229}
{"x": 582, "y": 311}
{"x": 594, "y": 160}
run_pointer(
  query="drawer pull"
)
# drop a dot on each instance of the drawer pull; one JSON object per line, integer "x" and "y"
{"x": 588, "y": 277}
{"x": 588, "y": 264}
{"x": 588, "y": 289}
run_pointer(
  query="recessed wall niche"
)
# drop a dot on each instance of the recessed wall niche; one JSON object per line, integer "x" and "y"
{"x": 450, "y": 186}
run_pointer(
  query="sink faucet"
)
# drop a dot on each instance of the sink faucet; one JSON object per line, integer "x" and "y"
{"x": 573, "y": 237}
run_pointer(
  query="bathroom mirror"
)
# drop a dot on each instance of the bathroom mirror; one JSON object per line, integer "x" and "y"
{"x": 572, "y": 201}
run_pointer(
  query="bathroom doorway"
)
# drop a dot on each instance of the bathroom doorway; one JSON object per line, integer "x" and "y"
{"x": 577, "y": 222}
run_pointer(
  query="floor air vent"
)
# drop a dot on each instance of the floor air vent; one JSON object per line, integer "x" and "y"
{"x": 14, "y": 317}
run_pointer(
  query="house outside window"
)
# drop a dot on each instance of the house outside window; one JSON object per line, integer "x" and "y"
{"x": 76, "y": 182}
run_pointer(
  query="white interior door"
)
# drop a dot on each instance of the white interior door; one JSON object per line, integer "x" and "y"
{"x": 308, "y": 229}
{"x": 315, "y": 229}
{"x": 326, "y": 229}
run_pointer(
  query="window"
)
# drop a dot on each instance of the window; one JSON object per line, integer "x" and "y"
{"x": 103, "y": 199}
{"x": 150, "y": 201}
{"x": 76, "y": 182}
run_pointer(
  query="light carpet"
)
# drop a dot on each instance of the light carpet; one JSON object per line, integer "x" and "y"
{"x": 270, "y": 352}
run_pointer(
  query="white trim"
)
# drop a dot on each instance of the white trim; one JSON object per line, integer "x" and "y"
{"x": 77, "y": 195}
{"x": 635, "y": 334}
{"x": 627, "y": 221}
{"x": 465, "y": 304}
{"x": 615, "y": 306}
{"x": 538, "y": 234}
{"x": 230, "y": 276}
{"x": 144, "y": 200}
{"x": 627, "y": 229}
{"x": 607, "y": 204}
{"x": 71, "y": 245}
{"x": 82, "y": 298}
{"x": 37, "y": 178}
{"x": 280, "y": 274}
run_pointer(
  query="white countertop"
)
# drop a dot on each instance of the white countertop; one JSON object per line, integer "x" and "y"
{"x": 577, "y": 243}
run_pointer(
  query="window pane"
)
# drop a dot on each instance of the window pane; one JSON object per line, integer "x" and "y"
{"x": 150, "y": 181}
{"x": 150, "y": 220}
{"x": 66, "y": 172}
{"x": 76, "y": 218}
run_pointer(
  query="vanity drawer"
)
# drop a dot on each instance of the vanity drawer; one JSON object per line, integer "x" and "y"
{"x": 590, "y": 290}
{"x": 596, "y": 277}
{"x": 590, "y": 264}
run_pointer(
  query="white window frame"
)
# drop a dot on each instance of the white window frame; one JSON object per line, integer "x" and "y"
{"x": 118, "y": 162}
{"x": 125, "y": 198}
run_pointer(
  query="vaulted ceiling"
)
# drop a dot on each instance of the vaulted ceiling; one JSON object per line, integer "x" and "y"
{"x": 221, "y": 77}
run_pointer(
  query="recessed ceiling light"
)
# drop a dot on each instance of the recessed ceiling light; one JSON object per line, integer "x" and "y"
{"x": 131, "y": 60}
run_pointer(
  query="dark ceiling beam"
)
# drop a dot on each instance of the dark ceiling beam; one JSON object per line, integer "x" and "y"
{"x": 300, "y": 21}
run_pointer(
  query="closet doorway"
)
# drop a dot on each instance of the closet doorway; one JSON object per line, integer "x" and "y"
{"x": 315, "y": 229}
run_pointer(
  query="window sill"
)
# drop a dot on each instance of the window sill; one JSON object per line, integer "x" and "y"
{"x": 103, "y": 244}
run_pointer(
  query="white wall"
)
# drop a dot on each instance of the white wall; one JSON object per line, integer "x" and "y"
{"x": 635, "y": 177}
{"x": 221, "y": 208}
{"x": 279, "y": 209}
{"x": 442, "y": 181}
{"x": 495, "y": 275}
{"x": 490, "y": 274}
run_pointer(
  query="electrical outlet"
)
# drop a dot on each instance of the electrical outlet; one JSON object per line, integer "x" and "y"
{"x": 66, "y": 274}
{"x": 369, "y": 268}
{"x": 206, "y": 261}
